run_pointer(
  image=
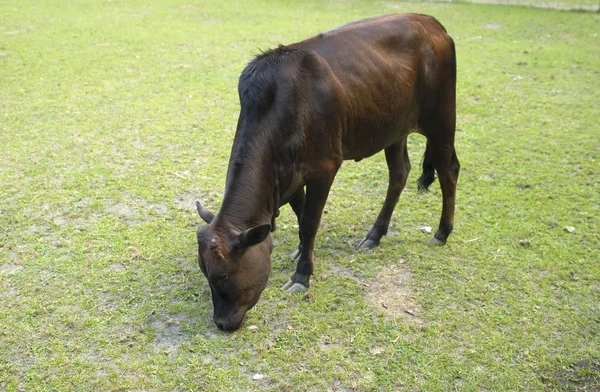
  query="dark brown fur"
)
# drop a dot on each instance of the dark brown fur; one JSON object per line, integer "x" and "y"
{"x": 347, "y": 93}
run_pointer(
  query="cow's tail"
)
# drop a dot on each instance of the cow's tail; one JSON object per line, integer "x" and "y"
{"x": 428, "y": 175}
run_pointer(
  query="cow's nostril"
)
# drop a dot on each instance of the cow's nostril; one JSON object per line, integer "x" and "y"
{"x": 220, "y": 325}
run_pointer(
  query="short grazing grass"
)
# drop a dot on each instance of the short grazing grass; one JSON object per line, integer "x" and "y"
{"x": 115, "y": 116}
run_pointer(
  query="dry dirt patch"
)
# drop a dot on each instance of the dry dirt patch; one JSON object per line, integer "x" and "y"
{"x": 136, "y": 210}
{"x": 186, "y": 201}
{"x": 581, "y": 376}
{"x": 168, "y": 331}
{"x": 10, "y": 269}
{"x": 550, "y": 5}
{"x": 390, "y": 293}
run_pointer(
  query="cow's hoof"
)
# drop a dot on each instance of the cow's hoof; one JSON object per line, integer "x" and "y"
{"x": 295, "y": 255}
{"x": 435, "y": 242}
{"x": 293, "y": 288}
{"x": 367, "y": 244}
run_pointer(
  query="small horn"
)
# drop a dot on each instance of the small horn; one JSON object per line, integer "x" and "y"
{"x": 205, "y": 214}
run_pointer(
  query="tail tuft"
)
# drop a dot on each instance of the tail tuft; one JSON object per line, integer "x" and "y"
{"x": 428, "y": 176}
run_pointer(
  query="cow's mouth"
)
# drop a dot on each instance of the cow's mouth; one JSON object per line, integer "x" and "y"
{"x": 228, "y": 326}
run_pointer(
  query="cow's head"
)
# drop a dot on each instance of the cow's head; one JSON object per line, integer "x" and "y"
{"x": 237, "y": 265}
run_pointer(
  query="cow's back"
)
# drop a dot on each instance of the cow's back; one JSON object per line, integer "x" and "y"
{"x": 377, "y": 75}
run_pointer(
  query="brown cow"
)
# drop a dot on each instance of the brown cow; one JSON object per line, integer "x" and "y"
{"x": 347, "y": 93}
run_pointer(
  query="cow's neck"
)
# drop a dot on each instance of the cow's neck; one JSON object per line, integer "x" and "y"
{"x": 251, "y": 195}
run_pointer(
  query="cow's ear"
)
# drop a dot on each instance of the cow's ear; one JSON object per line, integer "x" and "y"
{"x": 205, "y": 214}
{"x": 252, "y": 236}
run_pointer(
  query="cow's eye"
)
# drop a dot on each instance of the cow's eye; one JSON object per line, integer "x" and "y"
{"x": 222, "y": 287}
{"x": 222, "y": 280}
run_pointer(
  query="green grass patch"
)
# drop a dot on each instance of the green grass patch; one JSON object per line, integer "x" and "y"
{"x": 115, "y": 116}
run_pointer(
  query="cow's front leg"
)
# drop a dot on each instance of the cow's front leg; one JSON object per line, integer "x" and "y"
{"x": 316, "y": 196}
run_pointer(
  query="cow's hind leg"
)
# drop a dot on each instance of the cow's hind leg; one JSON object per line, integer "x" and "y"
{"x": 447, "y": 167}
{"x": 438, "y": 124}
{"x": 297, "y": 204}
{"x": 439, "y": 128}
{"x": 398, "y": 163}
{"x": 317, "y": 191}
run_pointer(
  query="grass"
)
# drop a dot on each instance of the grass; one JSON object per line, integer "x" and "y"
{"x": 115, "y": 116}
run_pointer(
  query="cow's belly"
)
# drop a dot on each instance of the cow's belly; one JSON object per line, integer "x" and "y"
{"x": 368, "y": 139}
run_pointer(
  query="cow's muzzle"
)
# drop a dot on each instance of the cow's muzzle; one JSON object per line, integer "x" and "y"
{"x": 227, "y": 324}
{"x": 230, "y": 321}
